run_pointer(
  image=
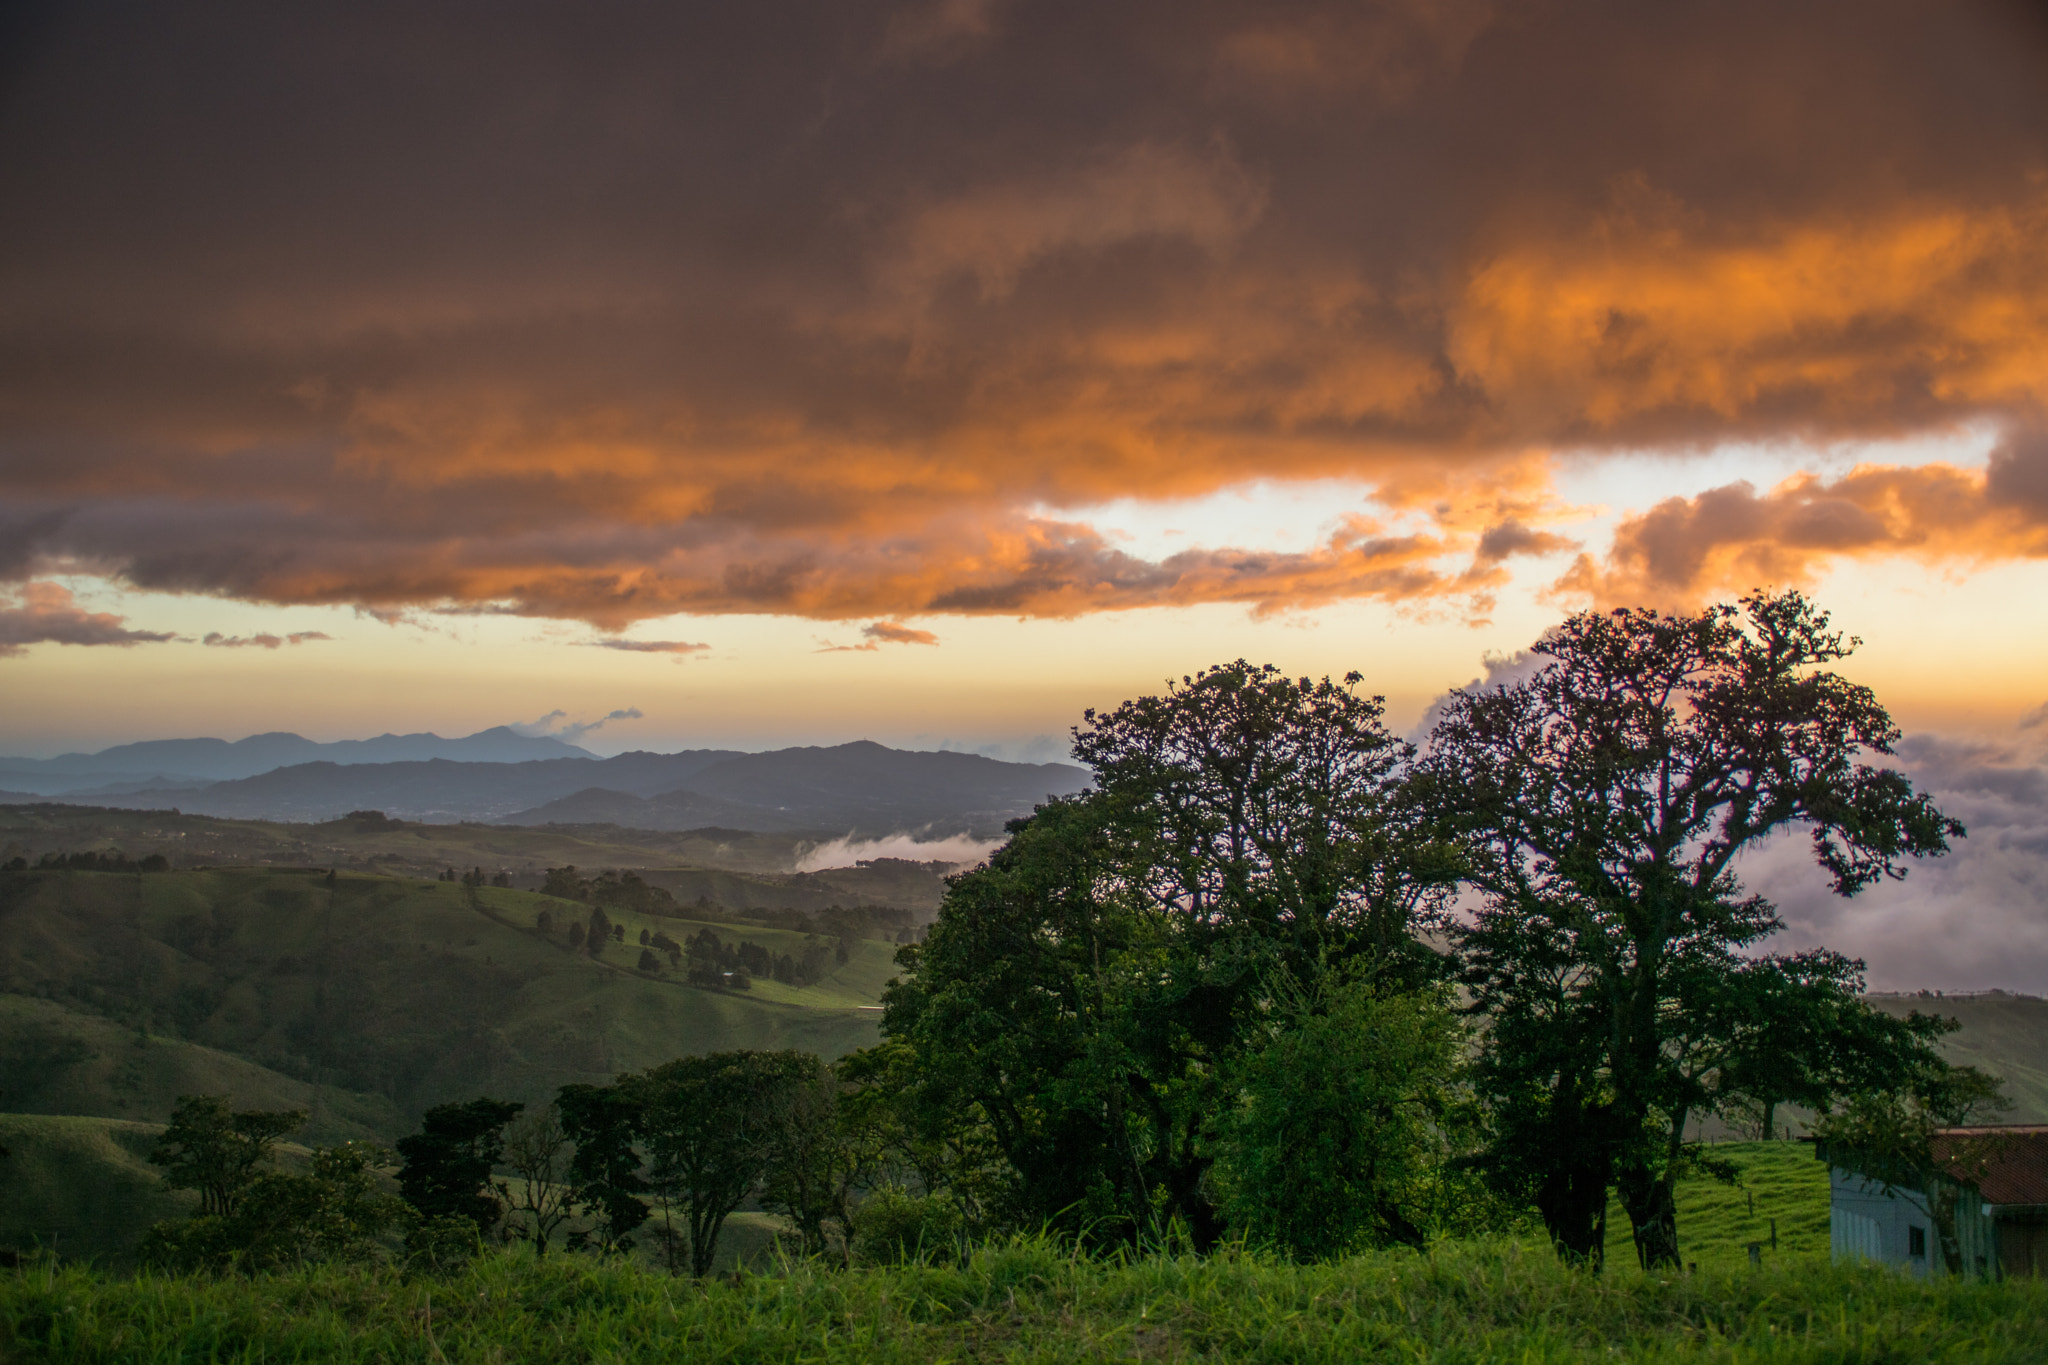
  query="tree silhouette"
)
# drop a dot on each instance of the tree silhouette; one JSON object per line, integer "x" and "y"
{"x": 217, "y": 1151}
{"x": 1088, "y": 989}
{"x": 708, "y": 1124}
{"x": 449, "y": 1162}
{"x": 1606, "y": 798}
{"x": 604, "y": 1174}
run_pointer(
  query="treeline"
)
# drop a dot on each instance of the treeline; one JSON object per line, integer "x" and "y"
{"x": 714, "y": 962}
{"x": 1282, "y": 976}
{"x": 88, "y": 862}
{"x": 662, "y": 1157}
{"x": 617, "y": 891}
{"x": 628, "y": 892}
{"x": 476, "y": 877}
{"x": 711, "y": 961}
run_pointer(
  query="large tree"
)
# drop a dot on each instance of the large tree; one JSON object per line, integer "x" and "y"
{"x": 219, "y": 1151}
{"x": 604, "y": 1176}
{"x": 449, "y": 1164}
{"x": 709, "y": 1126}
{"x": 1084, "y": 992}
{"x": 1606, "y": 798}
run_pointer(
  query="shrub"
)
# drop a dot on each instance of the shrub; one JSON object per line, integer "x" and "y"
{"x": 893, "y": 1225}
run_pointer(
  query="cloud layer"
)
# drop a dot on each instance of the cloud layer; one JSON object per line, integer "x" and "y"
{"x": 38, "y": 613}
{"x": 844, "y": 309}
{"x": 1685, "y": 549}
{"x": 1974, "y": 919}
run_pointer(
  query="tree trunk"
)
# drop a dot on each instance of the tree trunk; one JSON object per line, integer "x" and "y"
{"x": 1770, "y": 1120}
{"x": 1653, "y": 1216}
{"x": 1572, "y": 1200}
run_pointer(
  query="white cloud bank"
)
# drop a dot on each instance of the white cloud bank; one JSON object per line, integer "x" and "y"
{"x": 959, "y": 848}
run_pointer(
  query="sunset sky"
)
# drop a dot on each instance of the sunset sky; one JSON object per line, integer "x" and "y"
{"x": 926, "y": 372}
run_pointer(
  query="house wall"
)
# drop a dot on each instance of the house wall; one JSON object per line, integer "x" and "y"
{"x": 1865, "y": 1222}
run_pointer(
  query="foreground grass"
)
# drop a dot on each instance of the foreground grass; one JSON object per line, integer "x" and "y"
{"x": 1034, "y": 1302}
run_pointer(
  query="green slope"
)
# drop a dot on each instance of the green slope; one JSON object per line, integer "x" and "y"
{"x": 730, "y": 869}
{"x": 55, "y": 1060}
{"x": 413, "y": 992}
{"x": 189, "y": 840}
{"x": 2006, "y": 1035}
{"x": 81, "y": 1186}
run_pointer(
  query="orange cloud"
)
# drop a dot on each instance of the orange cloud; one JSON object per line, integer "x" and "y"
{"x": 650, "y": 647}
{"x": 1687, "y": 549}
{"x": 1861, "y": 323}
{"x": 263, "y": 641}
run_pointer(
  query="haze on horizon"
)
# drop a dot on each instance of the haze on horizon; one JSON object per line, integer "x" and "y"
{"x": 929, "y": 371}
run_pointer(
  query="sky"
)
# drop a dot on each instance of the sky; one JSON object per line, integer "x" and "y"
{"x": 930, "y": 371}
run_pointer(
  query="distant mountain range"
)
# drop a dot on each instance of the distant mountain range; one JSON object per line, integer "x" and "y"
{"x": 863, "y": 789}
{"x": 159, "y": 762}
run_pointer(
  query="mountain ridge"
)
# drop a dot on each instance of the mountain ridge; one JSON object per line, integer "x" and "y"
{"x": 219, "y": 760}
{"x": 862, "y": 788}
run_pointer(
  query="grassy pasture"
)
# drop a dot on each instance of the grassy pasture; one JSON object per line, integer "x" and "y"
{"x": 1780, "y": 1180}
{"x": 1029, "y": 1301}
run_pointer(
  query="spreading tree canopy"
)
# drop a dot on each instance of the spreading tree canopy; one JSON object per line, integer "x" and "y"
{"x": 1605, "y": 799}
{"x": 1082, "y": 994}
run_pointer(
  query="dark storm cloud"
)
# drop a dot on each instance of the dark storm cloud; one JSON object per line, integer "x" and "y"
{"x": 616, "y": 310}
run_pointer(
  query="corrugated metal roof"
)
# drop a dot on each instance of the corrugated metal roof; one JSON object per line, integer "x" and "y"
{"x": 2007, "y": 1164}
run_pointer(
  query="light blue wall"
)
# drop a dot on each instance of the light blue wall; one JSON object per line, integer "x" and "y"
{"x": 1865, "y": 1222}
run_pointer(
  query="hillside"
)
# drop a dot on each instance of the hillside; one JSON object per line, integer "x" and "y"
{"x": 2004, "y": 1034}
{"x": 82, "y": 1187}
{"x": 406, "y": 993}
{"x": 861, "y": 788}
{"x": 59, "y": 1060}
{"x": 740, "y": 869}
{"x": 171, "y": 761}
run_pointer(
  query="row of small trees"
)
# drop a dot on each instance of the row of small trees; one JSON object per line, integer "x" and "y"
{"x": 668, "y": 1154}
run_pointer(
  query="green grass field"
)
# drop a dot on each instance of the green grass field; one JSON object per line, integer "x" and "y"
{"x": 1716, "y": 1222}
{"x": 1497, "y": 1302}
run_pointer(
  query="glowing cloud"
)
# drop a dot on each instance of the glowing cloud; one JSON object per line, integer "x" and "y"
{"x": 38, "y": 613}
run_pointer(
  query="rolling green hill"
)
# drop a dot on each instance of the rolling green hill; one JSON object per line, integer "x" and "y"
{"x": 386, "y": 995}
{"x": 30, "y": 831}
{"x": 734, "y": 871}
{"x": 82, "y": 1187}
{"x": 56, "y": 1060}
{"x": 2006, "y": 1035}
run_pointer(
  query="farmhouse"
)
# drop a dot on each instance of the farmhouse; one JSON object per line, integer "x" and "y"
{"x": 1989, "y": 1185}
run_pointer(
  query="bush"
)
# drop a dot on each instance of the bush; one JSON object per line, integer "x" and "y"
{"x": 443, "y": 1245}
{"x": 893, "y": 1225}
{"x": 1337, "y": 1141}
{"x": 329, "y": 1213}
